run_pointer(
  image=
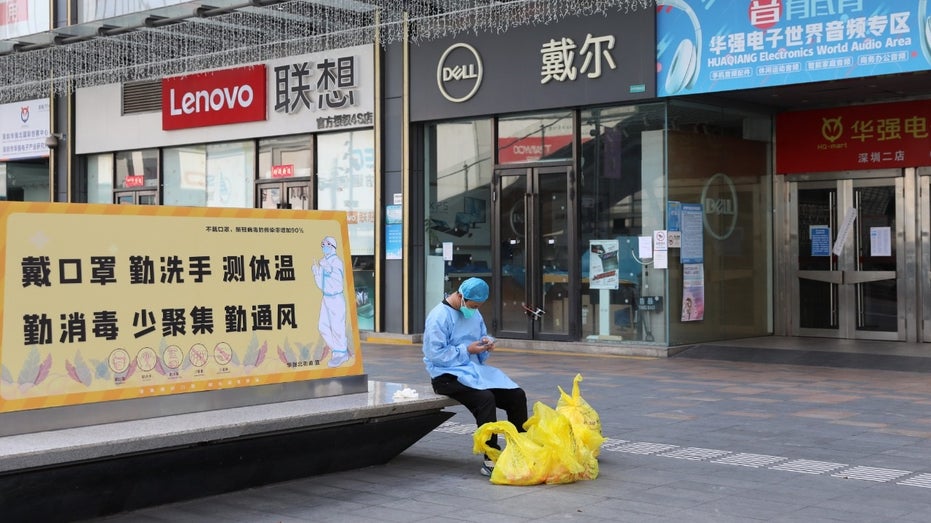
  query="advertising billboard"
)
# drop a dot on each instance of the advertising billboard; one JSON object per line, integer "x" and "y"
{"x": 105, "y": 302}
{"x": 721, "y": 45}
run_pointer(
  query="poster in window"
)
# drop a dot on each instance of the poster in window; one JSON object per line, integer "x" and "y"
{"x": 693, "y": 292}
{"x": 603, "y": 264}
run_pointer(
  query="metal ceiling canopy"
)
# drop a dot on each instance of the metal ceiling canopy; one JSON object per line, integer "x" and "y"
{"x": 203, "y": 35}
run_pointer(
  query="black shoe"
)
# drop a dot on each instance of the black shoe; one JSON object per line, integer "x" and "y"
{"x": 488, "y": 466}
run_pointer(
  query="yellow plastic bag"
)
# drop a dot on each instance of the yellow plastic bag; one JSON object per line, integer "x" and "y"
{"x": 585, "y": 420}
{"x": 522, "y": 462}
{"x": 553, "y": 432}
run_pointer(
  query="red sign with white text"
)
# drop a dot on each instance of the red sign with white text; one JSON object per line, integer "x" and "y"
{"x": 214, "y": 98}
{"x": 134, "y": 180}
{"x": 878, "y": 136}
{"x": 14, "y": 12}
{"x": 283, "y": 171}
{"x": 521, "y": 150}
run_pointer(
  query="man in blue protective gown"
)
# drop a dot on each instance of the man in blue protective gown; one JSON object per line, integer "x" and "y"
{"x": 455, "y": 347}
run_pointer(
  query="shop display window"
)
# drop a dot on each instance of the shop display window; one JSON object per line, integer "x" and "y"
{"x": 635, "y": 161}
{"x": 24, "y": 181}
{"x": 458, "y": 188}
{"x": 185, "y": 175}
{"x": 346, "y": 182}
{"x": 620, "y": 185}
{"x": 231, "y": 174}
{"x": 100, "y": 178}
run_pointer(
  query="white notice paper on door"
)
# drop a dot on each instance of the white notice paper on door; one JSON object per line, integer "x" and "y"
{"x": 880, "y": 241}
{"x": 645, "y": 247}
{"x": 844, "y": 231}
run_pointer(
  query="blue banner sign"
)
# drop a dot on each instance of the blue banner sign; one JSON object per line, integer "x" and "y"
{"x": 721, "y": 45}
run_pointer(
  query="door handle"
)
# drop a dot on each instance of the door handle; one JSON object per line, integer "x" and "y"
{"x": 868, "y": 276}
{"x": 825, "y": 276}
{"x": 537, "y": 312}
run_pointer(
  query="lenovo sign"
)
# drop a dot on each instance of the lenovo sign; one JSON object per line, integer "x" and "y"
{"x": 214, "y": 98}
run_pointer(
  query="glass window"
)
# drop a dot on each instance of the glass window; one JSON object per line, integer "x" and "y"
{"x": 230, "y": 174}
{"x": 346, "y": 182}
{"x": 100, "y": 178}
{"x": 185, "y": 175}
{"x": 535, "y": 138}
{"x": 720, "y": 158}
{"x": 286, "y": 157}
{"x": 621, "y": 178}
{"x": 459, "y": 170}
{"x": 137, "y": 169}
{"x": 25, "y": 181}
{"x": 636, "y": 158}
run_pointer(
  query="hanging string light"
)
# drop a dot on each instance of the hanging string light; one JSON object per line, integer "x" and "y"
{"x": 259, "y": 34}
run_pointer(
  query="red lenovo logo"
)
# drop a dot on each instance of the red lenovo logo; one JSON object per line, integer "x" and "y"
{"x": 214, "y": 98}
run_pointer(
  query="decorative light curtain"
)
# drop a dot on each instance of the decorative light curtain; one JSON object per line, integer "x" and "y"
{"x": 256, "y": 34}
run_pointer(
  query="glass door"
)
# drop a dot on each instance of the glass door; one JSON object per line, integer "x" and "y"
{"x": 847, "y": 246}
{"x": 284, "y": 195}
{"x": 924, "y": 235}
{"x": 149, "y": 197}
{"x": 532, "y": 252}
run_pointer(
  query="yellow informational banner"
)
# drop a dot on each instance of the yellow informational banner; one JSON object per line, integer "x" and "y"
{"x": 112, "y": 302}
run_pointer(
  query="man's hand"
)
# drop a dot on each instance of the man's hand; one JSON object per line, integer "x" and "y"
{"x": 488, "y": 342}
{"x": 480, "y": 346}
{"x": 476, "y": 347}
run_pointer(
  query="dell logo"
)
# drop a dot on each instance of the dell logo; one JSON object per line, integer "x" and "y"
{"x": 459, "y": 73}
{"x": 719, "y": 197}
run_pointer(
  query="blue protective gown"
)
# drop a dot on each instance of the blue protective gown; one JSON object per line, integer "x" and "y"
{"x": 446, "y": 338}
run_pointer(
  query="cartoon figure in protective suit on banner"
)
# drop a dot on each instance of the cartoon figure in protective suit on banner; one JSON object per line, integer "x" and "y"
{"x": 328, "y": 274}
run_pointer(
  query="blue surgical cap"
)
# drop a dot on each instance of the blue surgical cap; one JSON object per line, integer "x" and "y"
{"x": 474, "y": 289}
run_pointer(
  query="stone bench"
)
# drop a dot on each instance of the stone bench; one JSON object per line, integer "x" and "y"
{"x": 82, "y": 472}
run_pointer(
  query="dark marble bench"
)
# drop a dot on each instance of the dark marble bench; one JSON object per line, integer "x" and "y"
{"x": 76, "y": 473}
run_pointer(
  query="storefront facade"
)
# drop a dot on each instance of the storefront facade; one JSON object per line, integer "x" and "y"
{"x": 551, "y": 171}
{"x": 637, "y": 176}
{"x": 293, "y": 133}
{"x": 856, "y": 221}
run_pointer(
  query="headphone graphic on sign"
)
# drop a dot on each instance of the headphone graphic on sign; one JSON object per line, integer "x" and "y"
{"x": 924, "y": 29}
{"x": 686, "y": 60}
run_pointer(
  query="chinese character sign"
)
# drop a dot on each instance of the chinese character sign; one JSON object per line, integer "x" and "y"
{"x": 558, "y": 58}
{"x": 23, "y": 129}
{"x": 23, "y": 17}
{"x": 878, "y": 136}
{"x": 708, "y": 46}
{"x": 328, "y": 90}
{"x": 170, "y": 300}
{"x": 584, "y": 58}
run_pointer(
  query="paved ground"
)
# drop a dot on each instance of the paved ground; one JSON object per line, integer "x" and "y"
{"x": 688, "y": 440}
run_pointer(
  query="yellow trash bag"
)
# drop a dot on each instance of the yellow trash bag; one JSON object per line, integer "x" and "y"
{"x": 522, "y": 462}
{"x": 585, "y": 420}
{"x": 553, "y": 432}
